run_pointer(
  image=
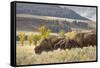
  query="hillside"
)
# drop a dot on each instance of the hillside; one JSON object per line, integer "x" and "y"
{"x": 32, "y": 16}
{"x": 48, "y": 10}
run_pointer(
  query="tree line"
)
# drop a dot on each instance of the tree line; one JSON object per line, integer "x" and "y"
{"x": 44, "y": 33}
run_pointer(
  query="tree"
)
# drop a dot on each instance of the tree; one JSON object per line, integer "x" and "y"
{"x": 21, "y": 38}
{"x": 43, "y": 30}
{"x": 45, "y": 33}
{"x": 36, "y": 38}
{"x": 62, "y": 33}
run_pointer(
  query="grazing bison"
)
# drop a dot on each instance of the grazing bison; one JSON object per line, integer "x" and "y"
{"x": 45, "y": 45}
{"x": 58, "y": 44}
{"x": 89, "y": 40}
{"x": 81, "y": 40}
{"x": 49, "y": 45}
{"x": 72, "y": 44}
{"x": 86, "y": 39}
{"x": 63, "y": 44}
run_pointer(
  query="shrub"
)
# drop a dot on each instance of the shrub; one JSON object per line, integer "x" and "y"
{"x": 71, "y": 35}
{"x": 21, "y": 37}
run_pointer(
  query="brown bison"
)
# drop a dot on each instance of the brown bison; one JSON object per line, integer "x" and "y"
{"x": 45, "y": 45}
{"x": 49, "y": 45}
{"x": 89, "y": 40}
{"x": 81, "y": 40}
{"x": 86, "y": 39}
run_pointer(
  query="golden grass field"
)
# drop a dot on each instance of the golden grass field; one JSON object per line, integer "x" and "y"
{"x": 25, "y": 55}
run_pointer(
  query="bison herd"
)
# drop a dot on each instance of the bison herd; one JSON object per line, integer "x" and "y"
{"x": 81, "y": 40}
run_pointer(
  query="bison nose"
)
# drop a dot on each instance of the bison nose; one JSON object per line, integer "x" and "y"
{"x": 38, "y": 51}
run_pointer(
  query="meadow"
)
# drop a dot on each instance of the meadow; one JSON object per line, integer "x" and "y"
{"x": 28, "y": 50}
{"x": 25, "y": 55}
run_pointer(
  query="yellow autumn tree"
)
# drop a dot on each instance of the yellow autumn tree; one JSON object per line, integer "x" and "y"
{"x": 21, "y": 37}
{"x": 45, "y": 33}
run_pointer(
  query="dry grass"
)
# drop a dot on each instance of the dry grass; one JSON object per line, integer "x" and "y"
{"x": 26, "y": 55}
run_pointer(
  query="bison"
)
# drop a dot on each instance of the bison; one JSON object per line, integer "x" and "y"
{"x": 45, "y": 45}
{"x": 89, "y": 39}
{"x": 81, "y": 40}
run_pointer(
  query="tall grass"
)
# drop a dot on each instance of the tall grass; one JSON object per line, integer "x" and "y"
{"x": 26, "y": 55}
